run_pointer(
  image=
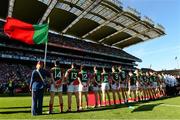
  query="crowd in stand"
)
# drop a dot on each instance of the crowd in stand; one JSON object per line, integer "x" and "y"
{"x": 84, "y": 45}
{"x": 20, "y": 75}
{"x": 64, "y": 60}
{"x": 14, "y": 76}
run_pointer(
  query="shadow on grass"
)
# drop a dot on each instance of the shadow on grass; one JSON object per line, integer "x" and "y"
{"x": 19, "y": 107}
{"x": 148, "y": 107}
{"x": 14, "y": 112}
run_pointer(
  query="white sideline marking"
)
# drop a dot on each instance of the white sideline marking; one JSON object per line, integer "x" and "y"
{"x": 170, "y": 105}
{"x": 167, "y": 105}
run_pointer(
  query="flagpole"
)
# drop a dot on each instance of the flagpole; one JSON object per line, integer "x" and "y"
{"x": 45, "y": 55}
{"x": 176, "y": 58}
{"x": 45, "y": 51}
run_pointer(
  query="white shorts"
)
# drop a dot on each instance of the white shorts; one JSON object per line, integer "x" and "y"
{"x": 54, "y": 89}
{"x": 83, "y": 87}
{"x": 73, "y": 88}
{"x": 105, "y": 86}
{"x": 96, "y": 88}
{"x": 115, "y": 86}
{"x": 154, "y": 84}
{"x": 163, "y": 85}
{"x": 145, "y": 87}
{"x": 133, "y": 87}
{"x": 122, "y": 85}
{"x": 149, "y": 86}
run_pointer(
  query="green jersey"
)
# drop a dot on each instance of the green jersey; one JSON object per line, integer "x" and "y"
{"x": 115, "y": 76}
{"x": 133, "y": 79}
{"x": 122, "y": 75}
{"x": 73, "y": 75}
{"x": 83, "y": 76}
{"x": 97, "y": 77}
{"x": 57, "y": 74}
{"x": 105, "y": 77}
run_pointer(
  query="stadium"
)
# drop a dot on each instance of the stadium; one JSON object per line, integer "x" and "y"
{"x": 85, "y": 32}
{"x": 93, "y": 36}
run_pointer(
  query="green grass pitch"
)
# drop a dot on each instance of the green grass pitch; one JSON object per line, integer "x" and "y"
{"x": 20, "y": 108}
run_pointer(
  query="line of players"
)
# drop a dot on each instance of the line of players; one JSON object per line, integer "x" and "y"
{"x": 127, "y": 85}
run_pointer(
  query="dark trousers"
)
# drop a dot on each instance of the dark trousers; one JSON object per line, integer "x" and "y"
{"x": 37, "y": 102}
{"x": 11, "y": 91}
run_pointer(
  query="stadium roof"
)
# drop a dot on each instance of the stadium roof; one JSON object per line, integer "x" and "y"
{"x": 104, "y": 21}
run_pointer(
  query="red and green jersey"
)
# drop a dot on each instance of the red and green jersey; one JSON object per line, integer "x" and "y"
{"x": 73, "y": 76}
{"x": 122, "y": 75}
{"x": 25, "y": 32}
{"x": 97, "y": 77}
{"x": 57, "y": 74}
{"x": 133, "y": 79}
{"x": 105, "y": 77}
{"x": 115, "y": 76}
{"x": 83, "y": 76}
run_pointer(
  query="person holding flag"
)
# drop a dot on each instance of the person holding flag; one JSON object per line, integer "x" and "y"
{"x": 37, "y": 85}
{"x": 31, "y": 34}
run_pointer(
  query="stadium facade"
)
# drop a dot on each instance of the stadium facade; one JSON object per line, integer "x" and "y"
{"x": 89, "y": 32}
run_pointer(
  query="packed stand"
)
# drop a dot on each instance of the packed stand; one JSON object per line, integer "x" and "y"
{"x": 84, "y": 45}
{"x": 14, "y": 76}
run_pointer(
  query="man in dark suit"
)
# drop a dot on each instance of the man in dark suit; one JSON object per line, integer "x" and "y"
{"x": 37, "y": 85}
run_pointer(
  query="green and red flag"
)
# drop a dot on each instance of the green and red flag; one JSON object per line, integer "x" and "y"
{"x": 25, "y": 32}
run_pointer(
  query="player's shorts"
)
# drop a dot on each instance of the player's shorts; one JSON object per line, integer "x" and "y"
{"x": 137, "y": 85}
{"x": 105, "y": 86}
{"x": 133, "y": 87}
{"x": 96, "y": 88}
{"x": 144, "y": 86}
{"x": 141, "y": 86}
{"x": 54, "y": 89}
{"x": 73, "y": 88}
{"x": 83, "y": 87}
{"x": 122, "y": 85}
{"x": 115, "y": 86}
{"x": 149, "y": 86}
{"x": 154, "y": 84}
{"x": 163, "y": 85}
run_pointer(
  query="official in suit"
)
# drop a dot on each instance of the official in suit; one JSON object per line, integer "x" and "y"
{"x": 37, "y": 85}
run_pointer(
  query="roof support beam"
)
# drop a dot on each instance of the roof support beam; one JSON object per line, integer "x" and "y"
{"x": 11, "y": 6}
{"x": 89, "y": 8}
{"x": 105, "y": 23}
{"x": 136, "y": 35}
{"x": 48, "y": 11}
{"x": 119, "y": 31}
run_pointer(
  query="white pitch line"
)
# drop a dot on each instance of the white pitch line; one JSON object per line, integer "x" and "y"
{"x": 170, "y": 105}
{"x": 166, "y": 105}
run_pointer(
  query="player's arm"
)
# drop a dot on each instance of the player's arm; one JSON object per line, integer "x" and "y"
{"x": 89, "y": 80}
{"x": 66, "y": 76}
{"x": 52, "y": 79}
{"x": 128, "y": 80}
{"x": 102, "y": 78}
{"x": 79, "y": 79}
{"x": 113, "y": 79}
{"x": 63, "y": 78}
{"x": 119, "y": 78}
{"x": 94, "y": 80}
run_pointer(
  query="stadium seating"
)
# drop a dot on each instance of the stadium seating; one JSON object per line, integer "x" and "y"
{"x": 84, "y": 45}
